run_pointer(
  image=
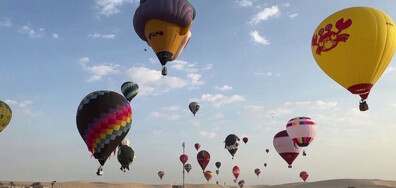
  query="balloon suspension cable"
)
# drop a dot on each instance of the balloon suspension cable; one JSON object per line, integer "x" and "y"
{"x": 363, "y": 106}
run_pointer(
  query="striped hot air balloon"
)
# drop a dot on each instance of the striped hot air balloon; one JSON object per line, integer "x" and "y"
{"x": 301, "y": 130}
{"x": 129, "y": 90}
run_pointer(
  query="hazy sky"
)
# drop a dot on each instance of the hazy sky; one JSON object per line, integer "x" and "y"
{"x": 248, "y": 63}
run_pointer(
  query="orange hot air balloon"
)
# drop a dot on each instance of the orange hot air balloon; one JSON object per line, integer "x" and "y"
{"x": 304, "y": 175}
{"x": 354, "y": 47}
{"x": 208, "y": 175}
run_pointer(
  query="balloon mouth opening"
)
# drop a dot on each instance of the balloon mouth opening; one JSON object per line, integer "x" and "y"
{"x": 303, "y": 144}
{"x": 361, "y": 89}
{"x": 363, "y": 106}
{"x": 164, "y": 57}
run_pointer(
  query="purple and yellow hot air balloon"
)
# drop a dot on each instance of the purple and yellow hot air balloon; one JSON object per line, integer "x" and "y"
{"x": 165, "y": 26}
{"x": 103, "y": 120}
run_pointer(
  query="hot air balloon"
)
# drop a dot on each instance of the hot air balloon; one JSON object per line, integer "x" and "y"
{"x": 236, "y": 171}
{"x": 267, "y": 150}
{"x": 161, "y": 174}
{"x": 203, "y": 158}
{"x": 245, "y": 139}
{"x": 301, "y": 130}
{"x": 241, "y": 183}
{"x": 165, "y": 26}
{"x": 208, "y": 175}
{"x": 231, "y": 144}
{"x": 194, "y": 107}
{"x": 183, "y": 158}
{"x": 125, "y": 154}
{"x": 197, "y": 146}
{"x": 352, "y": 58}
{"x": 265, "y": 164}
{"x": 218, "y": 164}
{"x": 103, "y": 120}
{"x": 129, "y": 90}
{"x": 304, "y": 175}
{"x": 217, "y": 171}
{"x": 286, "y": 148}
{"x": 187, "y": 167}
{"x": 5, "y": 115}
{"x": 257, "y": 171}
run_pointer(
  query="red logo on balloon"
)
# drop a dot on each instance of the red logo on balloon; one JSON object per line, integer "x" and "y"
{"x": 329, "y": 39}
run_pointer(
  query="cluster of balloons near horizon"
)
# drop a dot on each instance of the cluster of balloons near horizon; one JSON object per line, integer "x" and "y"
{"x": 165, "y": 26}
{"x": 354, "y": 47}
{"x": 103, "y": 120}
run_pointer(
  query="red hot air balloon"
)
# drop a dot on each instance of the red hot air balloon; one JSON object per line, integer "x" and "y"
{"x": 197, "y": 146}
{"x": 245, "y": 139}
{"x": 203, "y": 158}
{"x": 257, "y": 171}
{"x": 286, "y": 148}
{"x": 267, "y": 150}
{"x": 304, "y": 175}
{"x": 236, "y": 171}
{"x": 184, "y": 158}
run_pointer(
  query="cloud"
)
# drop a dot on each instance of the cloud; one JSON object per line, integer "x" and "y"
{"x": 286, "y": 4}
{"x": 31, "y": 32}
{"x": 160, "y": 115}
{"x": 293, "y": 15}
{"x": 388, "y": 70}
{"x": 269, "y": 74}
{"x": 207, "y": 134}
{"x": 98, "y": 35}
{"x": 259, "y": 39}
{"x": 195, "y": 79}
{"x": 5, "y": 22}
{"x": 219, "y": 99}
{"x": 244, "y": 3}
{"x": 265, "y": 14}
{"x": 207, "y": 67}
{"x": 223, "y": 88}
{"x": 183, "y": 66}
{"x": 97, "y": 72}
{"x": 55, "y": 36}
{"x": 170, "y": 108}
{"x": 23, "y": 107}
{"x": 110, "y": 7}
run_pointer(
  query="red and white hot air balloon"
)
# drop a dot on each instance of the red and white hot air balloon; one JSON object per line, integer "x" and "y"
{"x": 236, "y": 171}
{"x": 301, "y": 130}
{"x": 184, "y": 158}
{"x": 286, "y": 148}
{"x": 304, "y": 175}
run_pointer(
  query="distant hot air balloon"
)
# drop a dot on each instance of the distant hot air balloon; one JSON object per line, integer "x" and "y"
{"x": 236, "y": 171}
{"x": 129, "y": 90}
{"x": 197, "y": 146}
{"x": 257, "y": 171}
{"x": 245, "y": 139}
{"x": 231, "y": 144}
{"x": 301, "y": 130}
{"x": 265, "y": 164}
{"x": 241, "y": 183}
{"x": 165, "y": 26}
{"x": 183, "y": 158}
{"x": 304, "y": 175}
{"x": 5, "y": 115}
{"x": 194, "y": 107}
{"x": 217, "y": 171}
{"x": 125, "y": 154}
{"x": 187, "y": 167}
{"x": 103, "y": 120}
{"x": 203, "y": 158}
{"x": 352, "y": 58}
{"x": 218, "y": 164}
{"x": 208, "y": 175}
{"x": 267, "y": 150}
{"x": 161, "y": 174}
{"x": 286, "y": 148}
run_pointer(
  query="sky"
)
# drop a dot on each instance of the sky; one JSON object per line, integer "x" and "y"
{"x": 249, "y": 64}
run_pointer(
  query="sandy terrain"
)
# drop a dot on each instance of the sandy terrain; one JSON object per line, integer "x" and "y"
{"x": 338, "y": 183}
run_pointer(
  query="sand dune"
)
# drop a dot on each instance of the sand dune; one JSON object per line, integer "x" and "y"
{"x": 338, "y": 183}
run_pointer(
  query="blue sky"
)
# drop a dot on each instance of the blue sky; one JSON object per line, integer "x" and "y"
{"x": 248, "y": 64}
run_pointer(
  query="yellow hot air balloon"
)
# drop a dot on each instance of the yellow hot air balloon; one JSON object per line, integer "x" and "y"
{"x": 5, "y": 115}
{"x": 353, "y": 47}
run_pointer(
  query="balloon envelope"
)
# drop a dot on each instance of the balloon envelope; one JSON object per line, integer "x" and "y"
{"x": 183, "y": 158}
{"x": 232, "y": 144}
{"x": 187, "y": 167}
{"x": 129, "y": 90}
{"x": 125, "y": 156}
{"x": 241, "y": 183}
{"x": 257, "y": 171}
{"x": 208, "y": 175}
{"x": 301, "y": 130}
{"x": 304, "y": 175}
{"x": 161, "y": 174}
{"x": 197, "y": 146}
{"x": 5, "y": 115}
{"x": 245, "y": 139}
{"x": 286, "y": 147}
{"x": 203, "y": 158}
{"x": 236, "y": 171}
{"x": 194, "y": 107}
{"x": 352, "y": 58}
{"x": 267, "y": 150}
{"x": 218, "y": 164}
{"x": 103, "y": 120}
